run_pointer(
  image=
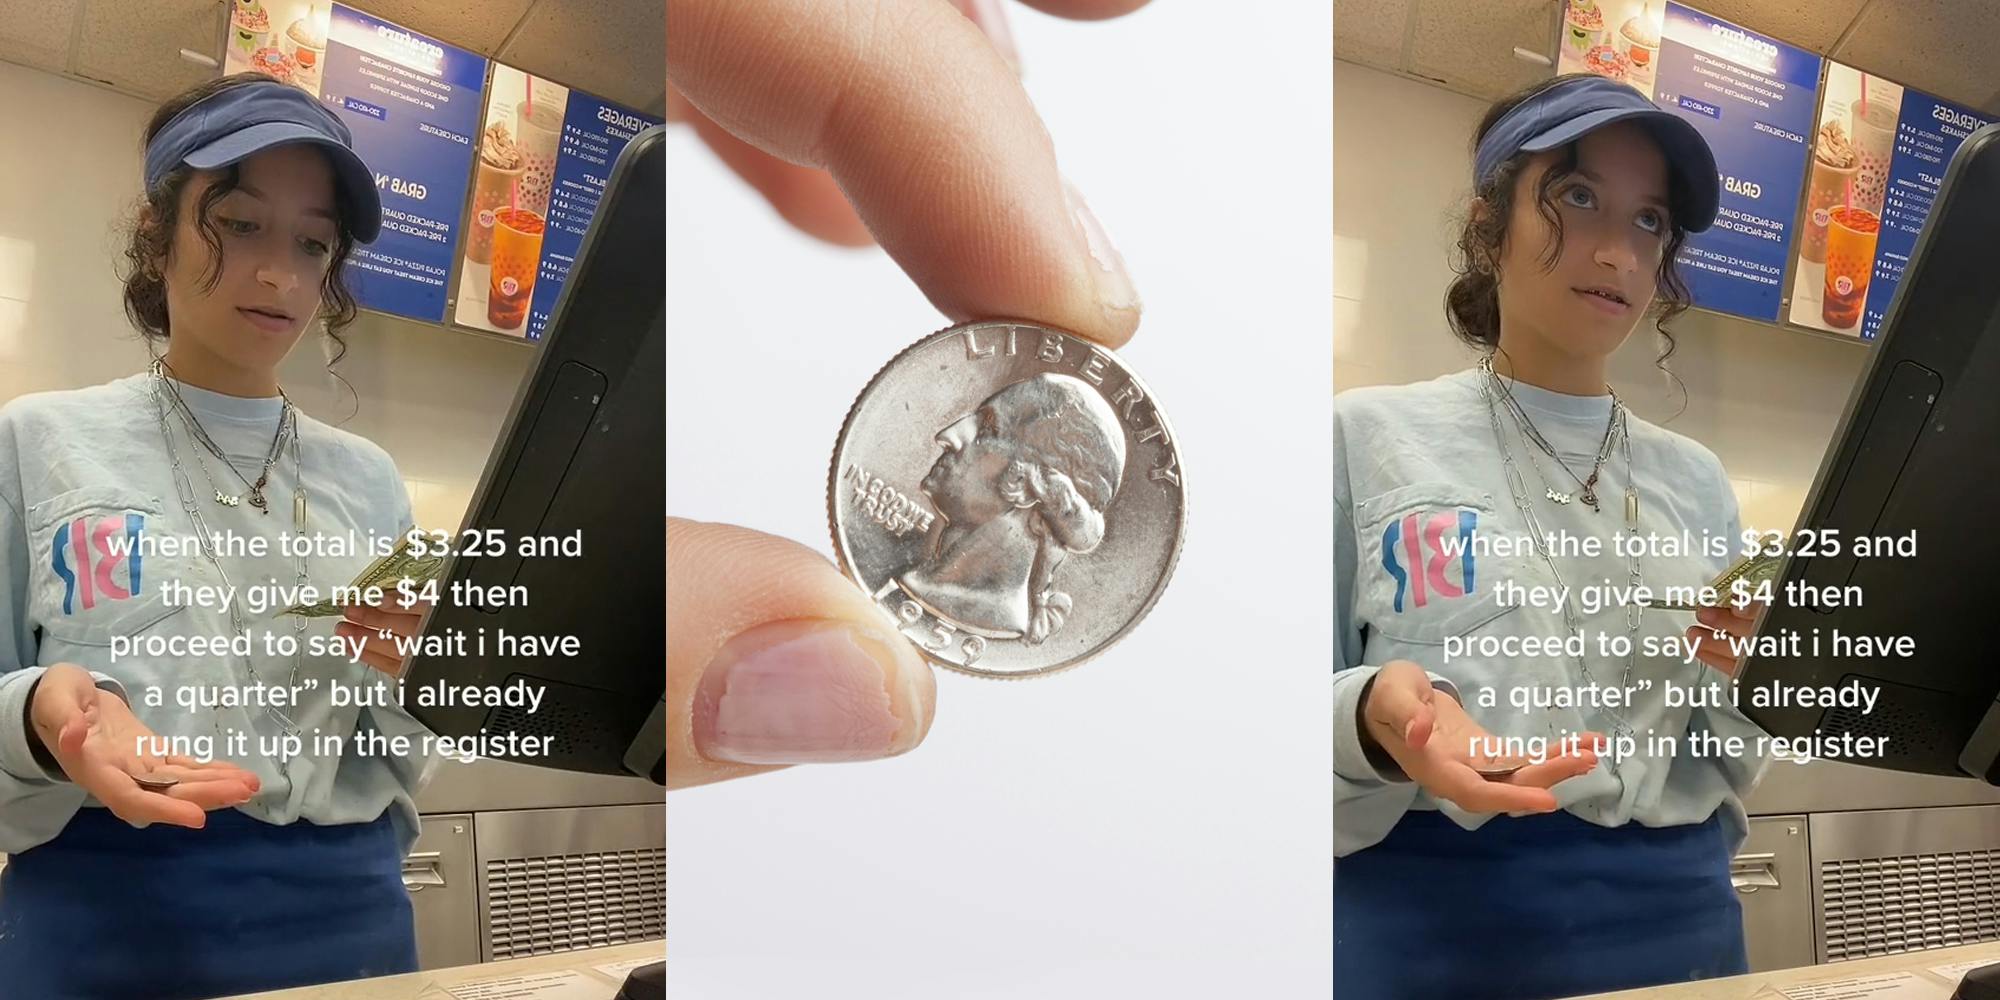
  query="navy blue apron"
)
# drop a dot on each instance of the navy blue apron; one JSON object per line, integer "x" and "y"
{"x": 108, "y": 911}
{"x": 1533, "y": 908}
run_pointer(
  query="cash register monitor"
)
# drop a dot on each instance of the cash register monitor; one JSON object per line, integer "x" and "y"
{"x": 578, "y": 460}
{"x": 1918, "y": 452}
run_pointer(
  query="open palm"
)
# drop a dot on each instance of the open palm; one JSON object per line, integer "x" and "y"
{"x": 101, "y": 746}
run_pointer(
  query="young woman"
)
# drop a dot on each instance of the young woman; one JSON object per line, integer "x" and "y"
{"x": 161, "y": 841}
{"x": 1609, "y": 869}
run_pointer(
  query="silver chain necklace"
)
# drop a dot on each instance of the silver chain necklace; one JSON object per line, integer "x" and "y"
{"x": 1517, "y": 486}
{"x": 184, "y": 487}
{"x": 200, "y": 435}
{"x": 1534, "y": 434}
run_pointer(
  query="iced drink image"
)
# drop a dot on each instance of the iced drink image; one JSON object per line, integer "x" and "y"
{"x": 1833, "y": 170}
{"x": 492, "y": 186}
{"x": 538, "y": 124}
{"x": 249, "y": 27}
{"x": 1874, "y": 143}
{"x": 1583, "y": 25}
{"x": 517, "y": 251}
{"x": 1850, "y": 258}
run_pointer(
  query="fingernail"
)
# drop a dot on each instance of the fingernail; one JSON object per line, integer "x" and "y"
{"x": 809, "y": 692}
{"x": 992, "y": 20}
{"x": 1115, "y": 291}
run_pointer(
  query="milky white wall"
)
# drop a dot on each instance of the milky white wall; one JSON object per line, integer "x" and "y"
{"x": 69, "y": 178}
{"x": 1766, "y": 399}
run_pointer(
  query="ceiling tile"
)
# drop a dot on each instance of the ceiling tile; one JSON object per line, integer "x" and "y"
{"x": 616, "y": 49}
{"x": 1808, "y": 24}
{"x": 36, "y": 32}
{"x": 136, "y": 46}
{"x": 479, "y": 25}
{"x": 1470, "y": 46}
{"x": 1943, "y": 49}
{"x": 1371, "y": 31}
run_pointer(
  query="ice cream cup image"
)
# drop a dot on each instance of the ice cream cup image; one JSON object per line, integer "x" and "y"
{"x": 1641, "y": 45}
{"x": 1608, "y": 62}
{"x": 306, "y": 44}
{"x": 249, "y": 27}
{"x": 1583, "y": 25}
{"x": 274, "y": 64}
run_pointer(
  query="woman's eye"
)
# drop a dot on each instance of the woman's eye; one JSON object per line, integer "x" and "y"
{"x": 1580, "y": 196}
{"x": 240, "y": 227}
{"x": 315, "y": 247}
{"x": 1651, "y": 222}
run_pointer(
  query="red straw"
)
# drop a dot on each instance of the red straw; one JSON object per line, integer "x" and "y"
{"x": 1850, "y": 194}
{"x": 514, "y": 195}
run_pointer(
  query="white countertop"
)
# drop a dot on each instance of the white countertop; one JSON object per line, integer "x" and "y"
{"x": 437, "y": 984}
{"x": 1770, "y": 985}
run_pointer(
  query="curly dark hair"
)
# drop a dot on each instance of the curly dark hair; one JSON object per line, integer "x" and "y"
{"x": 1472, "y": 303}
{"x": 151, "y": 232}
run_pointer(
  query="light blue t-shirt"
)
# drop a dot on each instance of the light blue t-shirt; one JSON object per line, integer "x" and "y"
{"x": 1417, "y": 471}
{"x": 85, "y": 476}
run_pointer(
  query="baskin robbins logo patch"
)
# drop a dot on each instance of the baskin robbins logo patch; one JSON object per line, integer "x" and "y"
{"x": 1429, "y": 555}
{"x": 97, "y": 560}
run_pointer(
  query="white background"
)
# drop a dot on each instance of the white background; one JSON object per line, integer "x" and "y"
{"x": 1155, "y": 823}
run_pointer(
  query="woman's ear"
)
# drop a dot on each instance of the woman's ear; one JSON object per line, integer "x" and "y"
{"x": 1480, "y": 210}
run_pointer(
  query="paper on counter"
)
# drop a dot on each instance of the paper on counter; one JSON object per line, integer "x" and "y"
{"x": 536, "y": 986}
{"x": 618, "y": 970}
{"x": 1888, "y": 986}
{"x": 1957, "y": 970}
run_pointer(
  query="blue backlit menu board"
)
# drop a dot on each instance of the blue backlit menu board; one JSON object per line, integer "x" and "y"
{"x": 594, "y": 133}
{"x": 1750, "y": 96}
{"x": 412, "y": 103}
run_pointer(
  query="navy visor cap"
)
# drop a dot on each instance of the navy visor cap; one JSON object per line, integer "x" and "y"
{"x": 1567, "y": 111}
{"x": 240, "y": 122}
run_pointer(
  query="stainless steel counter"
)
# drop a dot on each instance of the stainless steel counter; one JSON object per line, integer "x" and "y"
{"x": 493, "y": 784}
{"x": 1826, "y": 786}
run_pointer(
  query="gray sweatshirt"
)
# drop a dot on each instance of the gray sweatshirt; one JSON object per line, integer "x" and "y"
{"x": 1417, "y": 472}
{"x": 90, "y": 520}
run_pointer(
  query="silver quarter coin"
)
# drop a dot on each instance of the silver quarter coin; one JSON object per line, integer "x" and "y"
{"x": 1010, "y": 495}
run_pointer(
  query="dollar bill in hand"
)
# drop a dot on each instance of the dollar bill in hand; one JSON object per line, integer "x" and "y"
{"x": 386, "y": 572}
{"x": 1754, "y": 570}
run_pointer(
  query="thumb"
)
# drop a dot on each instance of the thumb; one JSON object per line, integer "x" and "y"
{"x": 66, "y": 707}
{"x": 1403, "y": 701}
{"x": 774, "y": 657}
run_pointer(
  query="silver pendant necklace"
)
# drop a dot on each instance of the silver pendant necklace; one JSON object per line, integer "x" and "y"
{"x": 184, "y": 488}
{"x": 1517, "y": 486}
{"x": 200, "y": 435}
{"x": 1532, "y": 433}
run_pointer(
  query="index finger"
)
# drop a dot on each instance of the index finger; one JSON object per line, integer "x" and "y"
{"x": 929, "y": 134}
